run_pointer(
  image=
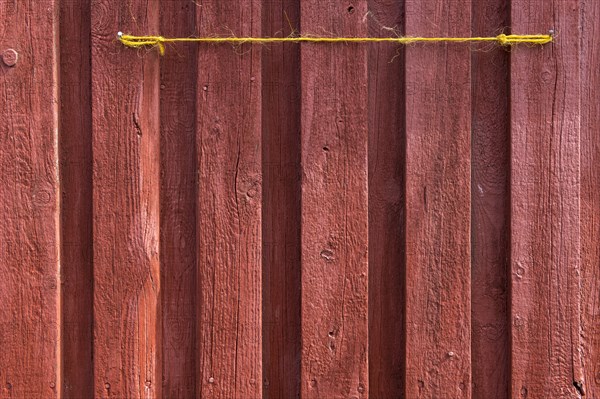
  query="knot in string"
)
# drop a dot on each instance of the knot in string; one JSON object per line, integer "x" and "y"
{"x": 141, "y": 41}
{"x": 509, "y": 40}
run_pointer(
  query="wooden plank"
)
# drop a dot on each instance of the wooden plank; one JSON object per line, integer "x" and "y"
{"x": 438, "y": 131}
{"x": 29, "y": 200}
{"x": 125, "y": 125}
{"x": 386, "y": 202}
{"x": 545, "y": 185}
{"x": 590, "y": 195}
{"x": 178, "y": 193}
{"x": 229, "y": 204}
{"x": 76, "y": 196}
{"x": 281, "y": 203}
{"x": 490, "y": 198}
{"x": 334, "y": 204}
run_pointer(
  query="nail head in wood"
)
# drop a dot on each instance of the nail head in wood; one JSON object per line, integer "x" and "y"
{"x": 10, "y": 57}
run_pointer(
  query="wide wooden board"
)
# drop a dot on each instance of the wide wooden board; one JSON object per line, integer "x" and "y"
{"x": 125, "y": 145}
{"x": 545, "y": 204}
{"x": 29, "y": 200}
{"x": 334, "y": 204}
{"x": 228, "y": 140}
{"x": 438, "y": 212}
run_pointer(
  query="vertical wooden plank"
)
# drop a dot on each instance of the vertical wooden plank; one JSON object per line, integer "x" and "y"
{"x": 178, "y": 192}
{"x": 281, "y": 203}
{"x": 334, "y": 204}
{"x": 545, "y": 184}
{"x": 76, "y": 196}
{"x": 438, "y": 131}
{"x": 29, "y": 200}
{"x": 490, "y": 198}
{"x": 229, "y": 207}
{"x": 590, "y": 195}
{"x": 386, "y": 202}
{"x": 125, "y": 125}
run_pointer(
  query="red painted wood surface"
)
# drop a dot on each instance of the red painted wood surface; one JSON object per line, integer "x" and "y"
{"x": 76, "y": 200}
{"x": 545, "y": 214}
{"x": 299, "y": 220}
{"x": 281, "y": 204}
{"x": 386, "y": 202}
{"x": 178, "y": 193}
{"x": 30, "y": 329}
{"x": 334, "y": 205}
{"x": 438, "y": 154}
{"x": 590, "y": 196}
{"x": 490, "y": 198}
{"x": 126, "y": 156}
{"x": 229, "y": 204}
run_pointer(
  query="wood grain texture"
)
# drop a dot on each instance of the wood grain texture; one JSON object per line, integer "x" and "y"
{"x": 334, "y": 204}
{"x": 125, "y": 126}
{"x": 229, "y": 203}
{"x": 490, "y": 198}
{"x": 299, "y": 220}
{"x": 178, "y": 193}
{"x": 438, "y": 269}
{"x": 545, "y": 189}
{"x": 281, "y": 203}
{"x": 590, "y": 195}
{"x": 76, "y": 199}
{"x": 29, "y": 201}
{"x": 386, "y": 202}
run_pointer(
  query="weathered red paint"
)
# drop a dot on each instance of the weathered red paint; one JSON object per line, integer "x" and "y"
{"x": 229, "y": 204}
{"x": 178, "y": 193}
{"x": 126, "y": 159}
{"x": 386, "y": 202}
{"x": 490, "y": 198}
{"x": 314, "y": 220}
{"x": 334, "y": 205}
{"x": 545, "y": 205}
{"x": 438, "y": 236}
{"x": 281, "y": 204}
{"x": 30, "y": 319}
{"x": 76, "y": 200}
{"x": 590, "y": 196}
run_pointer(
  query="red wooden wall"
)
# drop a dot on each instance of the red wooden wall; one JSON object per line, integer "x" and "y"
{"x": 315, "y": 220}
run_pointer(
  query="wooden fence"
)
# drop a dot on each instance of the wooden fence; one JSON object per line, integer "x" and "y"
{"x": 314, "y": 220}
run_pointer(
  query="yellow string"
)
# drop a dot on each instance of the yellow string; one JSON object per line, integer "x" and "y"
{"x": 159, "y": 41}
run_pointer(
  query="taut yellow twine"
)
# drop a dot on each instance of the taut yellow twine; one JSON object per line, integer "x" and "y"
{"x": 159, "y": 41}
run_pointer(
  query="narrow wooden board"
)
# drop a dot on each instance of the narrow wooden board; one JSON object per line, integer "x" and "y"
{"x": 334, "y": 203}
{"x": 386, "y": 202}
{"x": 229, "y": 203}
{"x": 29, "y": 201}
{"x": 490, "y": 197}
{"x": 281, "y": 203}
{"x": 125, "y": 127}
{"x": 590, "y": 195}
{"x": 438, "y": 267}
{"x": 178, "y": 193}
{"x": 545, "y": 189}
{"x": 75, "y": 140}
